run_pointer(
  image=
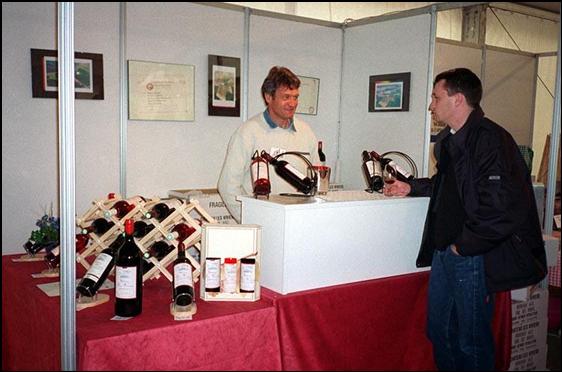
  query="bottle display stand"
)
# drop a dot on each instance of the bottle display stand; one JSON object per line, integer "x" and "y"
{"x": 29, "y": 258}
{"x": 183, "y": 312}
{"x": 83, "y": 302}
{"x": 48, "y": 273}
{"x": 231, "y": 241}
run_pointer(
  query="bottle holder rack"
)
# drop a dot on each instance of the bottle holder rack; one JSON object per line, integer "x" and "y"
{"x": 185, "y": 212}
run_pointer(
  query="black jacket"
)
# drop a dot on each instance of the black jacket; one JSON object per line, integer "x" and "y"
{"x": 496, "y": 191}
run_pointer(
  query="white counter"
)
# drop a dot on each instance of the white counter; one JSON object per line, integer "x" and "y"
{"x": 342, "y": 237}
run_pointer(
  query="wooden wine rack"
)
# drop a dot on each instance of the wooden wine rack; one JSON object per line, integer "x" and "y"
{"x": 188, "y": 213}
{"x": 102, "y": 208}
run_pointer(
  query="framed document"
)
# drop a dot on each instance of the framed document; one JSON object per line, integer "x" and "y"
{"x": 308, "y": 95}
{"x": 161, "y": 91}
{"x": 224, "y": 86}
{"x": 389, "y": 92}
{"x": 88, "y": 74}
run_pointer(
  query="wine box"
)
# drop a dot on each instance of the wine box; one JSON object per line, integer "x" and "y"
{"x": 224, "y": 241}
{"x": 209, "y": 199}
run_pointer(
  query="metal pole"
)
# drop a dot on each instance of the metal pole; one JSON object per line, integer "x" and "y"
{"x": 67, "y": 185}
{"x": 123, "y": 96}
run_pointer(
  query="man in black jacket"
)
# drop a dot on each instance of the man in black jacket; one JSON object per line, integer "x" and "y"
{"x": 482, "y": 232}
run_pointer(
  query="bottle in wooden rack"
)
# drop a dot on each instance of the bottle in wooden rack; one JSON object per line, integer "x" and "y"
{"x": 163, "y": 209}
{"x": 99, "y": 226}
{"x": 128, "y": 276}
{"x": 183, "y": 279}
{"x": 290, "y": 174}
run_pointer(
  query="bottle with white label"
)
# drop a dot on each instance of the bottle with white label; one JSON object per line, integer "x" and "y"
{"x": 212, "y": 274}
{"x": 290, "y": 174}
{"x": 247, "y": 275}
{"x": 230, "y": 275}
{"x": 128, "y": 276}
{"x": 183, "y": 279}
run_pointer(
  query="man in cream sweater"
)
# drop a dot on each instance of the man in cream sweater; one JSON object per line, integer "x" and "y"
{"x": 275, "y": 130}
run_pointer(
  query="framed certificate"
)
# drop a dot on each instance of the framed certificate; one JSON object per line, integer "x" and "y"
{"x": 308, "y": 95}
{"x": 161, "y": 91}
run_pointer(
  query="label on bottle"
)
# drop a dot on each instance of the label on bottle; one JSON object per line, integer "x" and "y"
{"x": 98, "y": 267}
{"x": 247, "y": 277}
{"x": 212, "y": 273}
{"x": 295, "y": 171}
{"x": 126, "y": 282}
{"x": 399, "y": 169}
{"x": 370, "y": 167}
{"x": 183, "y": 275}
{"x": 229, "y": 283}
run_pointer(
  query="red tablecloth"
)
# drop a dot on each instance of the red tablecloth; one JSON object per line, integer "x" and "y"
{"x": 371, "y": 325}
{"x": 221, "y": 336}
{"x": 376, "y": 324}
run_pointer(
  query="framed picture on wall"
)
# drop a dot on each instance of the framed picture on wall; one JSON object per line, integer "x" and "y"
{"x": 224, "y": 86}
{"x": 161, "y": 91}
{"x": 389, "y": 92}
{"x": 88, "y": 74}
{"x": 308, "y": 95}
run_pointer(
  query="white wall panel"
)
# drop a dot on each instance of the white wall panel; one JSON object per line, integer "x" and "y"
{"x": 394, "y": 46}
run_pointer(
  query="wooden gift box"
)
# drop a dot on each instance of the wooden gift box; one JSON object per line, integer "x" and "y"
{"x": 236, "y": 241}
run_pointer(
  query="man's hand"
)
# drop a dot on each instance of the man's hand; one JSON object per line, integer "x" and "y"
{"x": 398, "y": 188}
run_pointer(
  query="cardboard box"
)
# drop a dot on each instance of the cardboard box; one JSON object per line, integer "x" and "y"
{"x": 529, "y": 330}
{"x": 220, "y": 241}
{"x": 209, "y": 199}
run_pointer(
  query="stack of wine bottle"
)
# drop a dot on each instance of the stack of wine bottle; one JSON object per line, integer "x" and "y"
{"x": 139, "y": 239}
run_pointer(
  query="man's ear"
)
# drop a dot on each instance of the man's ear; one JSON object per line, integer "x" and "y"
{"x": 460, "y": 99}
{"x": 268, "y": 98}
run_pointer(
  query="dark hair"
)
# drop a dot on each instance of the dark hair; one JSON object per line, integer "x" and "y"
{"x": 463, "y": 81}
{"x": 279, "y": 76}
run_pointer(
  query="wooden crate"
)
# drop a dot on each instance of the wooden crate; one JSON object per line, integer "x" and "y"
{"x": 236, "y": 241}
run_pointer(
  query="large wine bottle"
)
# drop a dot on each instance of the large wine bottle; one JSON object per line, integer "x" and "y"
{"x": 290, "y": 174}
{"x": 372, "y": 171}
{"x": 128, "y": 276}
{"x": 183, "y": 279}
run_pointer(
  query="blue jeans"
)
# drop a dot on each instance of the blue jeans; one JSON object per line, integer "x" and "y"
{"x": 460, "y": 311}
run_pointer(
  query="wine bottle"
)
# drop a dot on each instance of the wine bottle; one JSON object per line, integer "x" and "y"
{"x": 119, "y": 209}
{"x": 128, "y": 276}
{"x": 290, "y": 174}
{"x": 142, "y": 228}
{"x": 99, "y": 226}
{"x": 180, "y": 232}
{"x": 183, "y": 279}
{"x": 100, "y": 269}
{"x": 321, "y": 154}
{"x": 260, "y": 175}
{"x": 399, "y": 173}
{"x": 230, "y": 281}
{"x": 247, "y": 275}
{"x": 163, "y": 209}
{"x": 372, "y": 171}
{"x": 53, "y": 253}
{"x": 212, "y": 274}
